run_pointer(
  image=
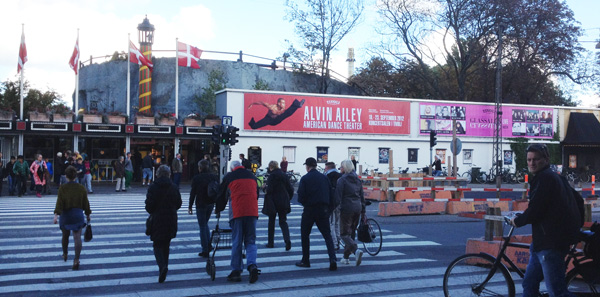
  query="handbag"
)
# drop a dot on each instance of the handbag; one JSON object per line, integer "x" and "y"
{"x": 363, "y": 233}
{"x": 87, "y": 236}
{"x": 149, "y": 221}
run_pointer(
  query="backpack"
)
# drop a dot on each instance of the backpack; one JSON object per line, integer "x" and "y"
{"x": 591, "y": 249}
{"x": 213, "y": 190}
{"x": 575, "y": 212}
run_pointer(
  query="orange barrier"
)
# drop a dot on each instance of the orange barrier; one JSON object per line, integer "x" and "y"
{"x": 387, "y": 209}
{"x": 519, "y": 256}
{"x": 456, "y": 207}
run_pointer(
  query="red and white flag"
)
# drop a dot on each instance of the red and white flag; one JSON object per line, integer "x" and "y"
{"x": 135, "y": 56}
{"x": 74, "y": 61}
{"x": 22, "y": 53}
{"x": 188, "y": 56}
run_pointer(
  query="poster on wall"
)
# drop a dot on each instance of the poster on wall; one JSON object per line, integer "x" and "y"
{"x": 442, "y": 154}
{"x": 478, "y": 120}
{"x": 322, "y": 153}
{"x": 384, "y": 155}
{"x": 354, "y": 151}
{"x": 467, "y": 156}
{"x": 572, "y": 161}
{"x": 299, "y": 113}
{"x": 413, "y": 155}
{"x": 508, "y": 157}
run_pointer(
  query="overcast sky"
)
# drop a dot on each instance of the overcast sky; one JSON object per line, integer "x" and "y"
{"x": 255, "y": 27}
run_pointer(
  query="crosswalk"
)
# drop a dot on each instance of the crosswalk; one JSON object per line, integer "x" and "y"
{"x": 119, "y": 260}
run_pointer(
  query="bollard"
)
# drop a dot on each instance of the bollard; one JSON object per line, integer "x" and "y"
{"x": 594, "y": 184}
{"x": 493, "y": 227}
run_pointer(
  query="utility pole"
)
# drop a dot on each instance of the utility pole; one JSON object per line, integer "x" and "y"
{"x": 497, "y": 161}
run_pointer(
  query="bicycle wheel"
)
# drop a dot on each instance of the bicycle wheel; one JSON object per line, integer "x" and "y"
{"x": 482, "y": 178}
{"x": 466, "y": 273}
{"x": 520, "y": 177}
{"x": 374, "y": 247}
{"x": 584, "y": 280}
{"x": 468, "y": 176}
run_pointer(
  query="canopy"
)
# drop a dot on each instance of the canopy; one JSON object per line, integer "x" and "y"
{"x": 583, "y": 130}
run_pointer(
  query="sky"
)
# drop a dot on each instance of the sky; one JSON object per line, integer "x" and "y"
{"x": 256, "y": 27}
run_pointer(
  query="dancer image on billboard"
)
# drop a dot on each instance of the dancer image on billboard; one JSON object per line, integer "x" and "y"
{"x": 276, "y": 112}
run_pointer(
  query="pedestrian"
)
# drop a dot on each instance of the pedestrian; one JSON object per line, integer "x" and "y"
{"x": 72, "y": 202}
{"x": 162, "y": 202}
{"x": 119, "y": 174}
{"x": 204, "y": 203}
{"x": 354, "y": 161}
{"x": 128, "y": 171}
{"x": 11, "y": 175}
{"x": 240, "y": 188}
{"x": 177, "y": 168}
{"x": 334, "y": 220}
{"x": 80, "y": 171}
{"x": 21, "y": 171}
{"x": 48, "y": 175}
{"x": 38, "y": 171}
{"x": 278, "y": 194}
{"x": 549, "y": 211}
{"x": 245, "y": 162}
{"x": 437, "y": 166}
{"x": 350, "y": 197}
{"x": 314, "y": 193}
{"x": 87, "y": 176}
{"x": 2, "y": 175}
{"x": 284, "y": 164}
{"x": 59, "y": 164}
{"x": 147, "y": 166}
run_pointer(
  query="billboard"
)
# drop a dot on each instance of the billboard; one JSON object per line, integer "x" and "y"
{"x": 300, "y": 113}
{"x": 478, "y": 120}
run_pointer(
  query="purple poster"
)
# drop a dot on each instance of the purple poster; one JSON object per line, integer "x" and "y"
{"x": 478, "y": 120}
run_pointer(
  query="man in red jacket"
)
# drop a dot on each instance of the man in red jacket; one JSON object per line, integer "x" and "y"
{"x": 239, "y": 187}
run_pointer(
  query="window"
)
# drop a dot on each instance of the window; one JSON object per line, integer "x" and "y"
{"x": 467, "y": 156}
{"x": 354, "y": 151}
{"x": 322, "y": 154}
{"x": 289, "y": 152}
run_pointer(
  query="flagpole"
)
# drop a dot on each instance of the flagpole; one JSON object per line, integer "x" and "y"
{"x": 21, "y": 82}
{"x": 128, "y": 137}
{"x": 177, "y": 78}
{"x": 77, "y": 78}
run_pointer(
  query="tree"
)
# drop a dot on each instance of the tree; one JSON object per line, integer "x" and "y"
{"x": 207, "y": 101}
{"x": 34, "y": 100}
{"x": 321, "y": 25}
{"x": 459, "y": 38}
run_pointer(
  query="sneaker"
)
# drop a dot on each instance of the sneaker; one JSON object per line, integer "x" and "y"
{"x": 345, "y": 261}
{"x": 38, "y": 195}
{"x": 358, "y": 255}
{"x": 254, "y": 272}
{"x": 234, "y": 276}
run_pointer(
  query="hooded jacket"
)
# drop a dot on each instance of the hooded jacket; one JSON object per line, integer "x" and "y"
{"x": 240, "y": 188}
{"x": 349, "y": 193}
{"x": 162, "y": 202}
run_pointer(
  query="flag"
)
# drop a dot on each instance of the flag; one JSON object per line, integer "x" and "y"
{"x": 22, "y": 53}
{"x": 135, "y": 56}
{"x": 74, "y": 61}
{"x": 188, "y": 55}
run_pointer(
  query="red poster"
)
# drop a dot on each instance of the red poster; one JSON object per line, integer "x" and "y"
{"x": 299, "y": 113}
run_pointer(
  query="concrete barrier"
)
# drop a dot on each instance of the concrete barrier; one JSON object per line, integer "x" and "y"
{"x": 519, "y": 256}
{"x": 456, "y": 207}
{"x": 387, "y": 209}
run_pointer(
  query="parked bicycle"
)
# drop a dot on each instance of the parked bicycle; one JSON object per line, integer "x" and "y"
{"x": 485, "y": 275}
{"x": 293, "y": 177}
{"x": 481, "y": 177}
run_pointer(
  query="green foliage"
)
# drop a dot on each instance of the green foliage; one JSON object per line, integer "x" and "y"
{"x": 519, "y": 147}
{"x": 33, "y": 100}
{"x": 207, "y": 101}
{"x": 261, "y": 85}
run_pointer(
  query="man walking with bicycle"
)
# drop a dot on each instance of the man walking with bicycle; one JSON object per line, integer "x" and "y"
{"x": 552, "y": 213}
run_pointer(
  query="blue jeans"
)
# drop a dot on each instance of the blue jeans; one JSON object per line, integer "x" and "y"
{"x": 243, "y": 230}
{"x": 548, "y": 265}
{"x": 203, "y": 213}
{"x": 11, "y": 185}
{"x": 87, "y": 182}
{"x": 177, "y": 178}
{"x": 147, "y": 174}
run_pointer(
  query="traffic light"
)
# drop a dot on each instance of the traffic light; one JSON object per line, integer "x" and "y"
{"x": 225, "y": 135}
{"x": 432, "y": 138}
{"x": 233, "y": 135}
{"x": 216, "y": 134}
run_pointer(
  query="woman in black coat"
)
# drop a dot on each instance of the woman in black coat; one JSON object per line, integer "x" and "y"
{"x": 277, "y": 202}
{"x": 162, "y": 202}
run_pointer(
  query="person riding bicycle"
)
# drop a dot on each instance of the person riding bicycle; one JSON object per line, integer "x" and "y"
{"x": 549, "y": 212}
{"x": 437, "y": 166}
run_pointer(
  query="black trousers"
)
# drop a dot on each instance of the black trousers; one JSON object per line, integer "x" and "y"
{"x": 316, "y": 215}
{"x": 161, "y": 253}
{"x": 21, "y": 185}
{"x": 285, "y": 230}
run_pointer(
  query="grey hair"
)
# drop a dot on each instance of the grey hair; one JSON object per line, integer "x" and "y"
{"x": 347, "y": 165}
{"x": 121, "y": 158}
{"x": 234, "y": 164}
{"x": 163, "y": 171}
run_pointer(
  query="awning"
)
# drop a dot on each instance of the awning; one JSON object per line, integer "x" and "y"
{"x": 583, "y": 130}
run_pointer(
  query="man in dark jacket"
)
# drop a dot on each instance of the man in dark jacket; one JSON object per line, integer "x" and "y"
{"x": 204, "y": 203}
{"x": 334, "y": 220}
{"x": 11, "y": 175}
{"x": 162, "y": 202}
{"x": 314, "y": 193}
{"x": 240, "y": 188}
{"x": 245, "y": 162}
{"x": 177, "y": 168}
{"x": 147, "y": 166}
{"x": 548, "y": 213}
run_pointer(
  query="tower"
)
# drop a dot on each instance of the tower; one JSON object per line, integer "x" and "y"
{"x": 146, "y": 38}
{"x": 350, "y": 61}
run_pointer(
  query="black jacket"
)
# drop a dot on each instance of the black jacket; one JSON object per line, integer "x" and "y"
{"x": 547, "y": 212}
{"x": 314, "y": 189}
{"x": 162, "y": 202}
{"x": 278, "y": 194}
{"x": 147, "y": 162}
{"x": 199, "y": 192}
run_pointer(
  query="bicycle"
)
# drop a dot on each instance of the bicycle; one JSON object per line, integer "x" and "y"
{"x": 293, "y": 177}
{"x": 485, "y": 275}
{"x": 372, "y": 246}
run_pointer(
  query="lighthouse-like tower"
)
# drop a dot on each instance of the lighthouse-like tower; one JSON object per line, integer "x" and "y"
{"x": 146, "y": 38}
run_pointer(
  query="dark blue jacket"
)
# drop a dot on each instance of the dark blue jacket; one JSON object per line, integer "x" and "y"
{"x": 314, "y": 189}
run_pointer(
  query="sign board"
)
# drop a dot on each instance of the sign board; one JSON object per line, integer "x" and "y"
{"x": 226, "y": 120}
{"x": 458, "y": 146}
